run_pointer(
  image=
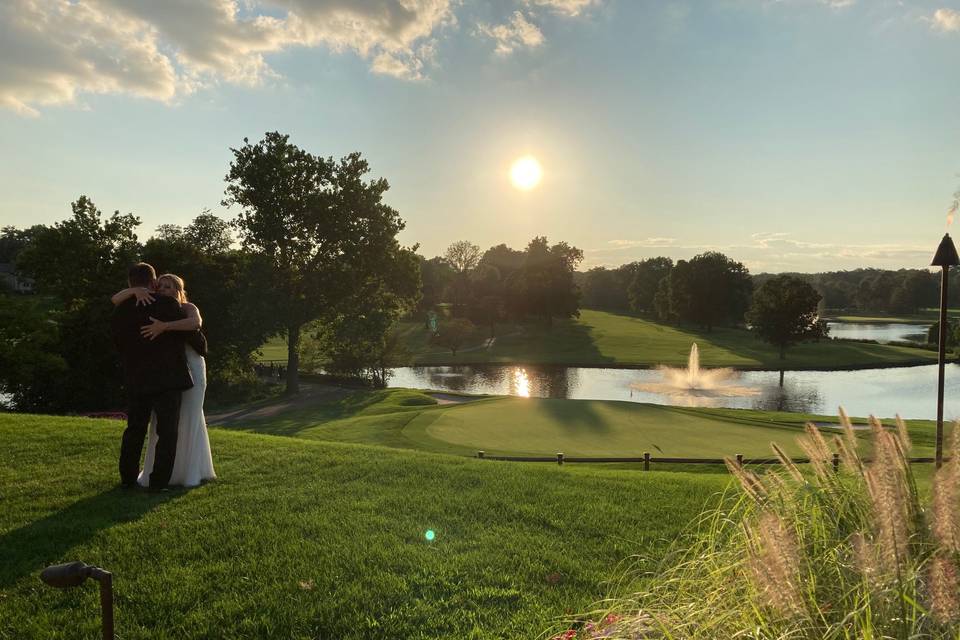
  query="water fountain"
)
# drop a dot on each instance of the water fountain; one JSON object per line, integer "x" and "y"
{"x": 693, "y": 382}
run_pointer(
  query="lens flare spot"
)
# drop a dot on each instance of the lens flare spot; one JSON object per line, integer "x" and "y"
{"x": 430, "y": 535}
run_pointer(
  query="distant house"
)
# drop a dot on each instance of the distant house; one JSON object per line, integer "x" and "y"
{"x": 14, "y": 281}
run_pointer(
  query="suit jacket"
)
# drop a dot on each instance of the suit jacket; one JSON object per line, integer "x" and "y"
{"x": 198, "y": 341}
{"x": 150, "y": 366}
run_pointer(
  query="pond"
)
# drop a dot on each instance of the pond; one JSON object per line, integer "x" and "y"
{"x": 909, "y": 391}
{"x": 881, "y": 332}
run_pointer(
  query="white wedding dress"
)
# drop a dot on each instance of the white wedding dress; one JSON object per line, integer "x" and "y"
{"x": 193, "y": 462}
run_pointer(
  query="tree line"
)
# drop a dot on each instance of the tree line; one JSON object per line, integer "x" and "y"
{"x": 314, "y": 245}
{"x": 483, "y": 288}
{"x": 634, "y": 287}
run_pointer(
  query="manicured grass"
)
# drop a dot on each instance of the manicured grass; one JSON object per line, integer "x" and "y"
{"x": 306, "y": 539}
{"x": 274, "y": 349}
{"x": 598, "y": 338}
{"x": 409, "y": 419}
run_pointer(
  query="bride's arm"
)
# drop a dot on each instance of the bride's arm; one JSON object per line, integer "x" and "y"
{"x": 192, "y": 322}
{"x": 142, "y": 294}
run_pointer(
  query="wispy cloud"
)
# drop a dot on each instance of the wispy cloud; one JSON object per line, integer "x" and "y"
{"x": 646, "y": 242}
{"x": 565, "y": 7}
{"x": 518, "y": 33}
{"x": 945, "y": 20}
{"x": 838, "y": 4}
{"x": 53, "y": 50}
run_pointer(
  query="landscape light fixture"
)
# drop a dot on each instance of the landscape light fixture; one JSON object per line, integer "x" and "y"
{"x": 945, "y": 258}
{"x": 73, "y": 574}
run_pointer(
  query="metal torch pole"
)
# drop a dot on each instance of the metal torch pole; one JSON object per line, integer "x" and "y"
{"x": 941, "y": 356}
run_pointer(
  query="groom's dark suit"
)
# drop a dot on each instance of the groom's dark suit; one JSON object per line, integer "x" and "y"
{"x": 155, "y": 374}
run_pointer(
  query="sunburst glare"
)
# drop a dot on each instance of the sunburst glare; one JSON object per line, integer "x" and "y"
{"x": 525, "y": 173}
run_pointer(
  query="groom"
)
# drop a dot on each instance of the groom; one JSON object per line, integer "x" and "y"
{"x": 155, "y": 375}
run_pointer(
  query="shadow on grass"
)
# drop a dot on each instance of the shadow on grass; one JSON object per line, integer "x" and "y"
{"x": 290, "y": 417}
{"x": 47, "y": 541}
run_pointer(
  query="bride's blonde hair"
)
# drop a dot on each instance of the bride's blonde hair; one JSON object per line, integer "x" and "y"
{"x": 177, "y": 284}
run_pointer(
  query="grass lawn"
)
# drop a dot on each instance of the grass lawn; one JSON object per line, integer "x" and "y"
{"x": 598, "y": 338}
{"x": 409, "y": 419}
{"x": 308, "y": 539}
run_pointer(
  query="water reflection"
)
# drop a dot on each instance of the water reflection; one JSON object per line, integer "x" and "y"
{"x": 885, "y": 332}
{"x": 910, "y": 391}
{"x": 521, "y": 383}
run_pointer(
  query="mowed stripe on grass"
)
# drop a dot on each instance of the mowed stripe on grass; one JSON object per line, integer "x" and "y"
{"x": 301, "y": 539}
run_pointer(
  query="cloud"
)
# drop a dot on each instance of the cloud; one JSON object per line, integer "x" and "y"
{"x": 53, "y": 50}
{"x": 946, "y": 20}
{"x": 519, "y": 33}
{"x": 570, "y": 8}
{"x": 646, "y": 242}
{"x": 838, "y": 4}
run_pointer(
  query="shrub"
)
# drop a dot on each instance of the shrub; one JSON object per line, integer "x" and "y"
{"x": 812, "y": 554}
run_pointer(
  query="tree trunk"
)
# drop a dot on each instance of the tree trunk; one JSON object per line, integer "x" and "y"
{"x": 781, "y": 378}
{"x": 293, "y": 360}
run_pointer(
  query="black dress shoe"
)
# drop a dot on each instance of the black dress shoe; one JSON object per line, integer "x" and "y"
{"x": 129, "y": 486}
{"x": 157, "y": 489}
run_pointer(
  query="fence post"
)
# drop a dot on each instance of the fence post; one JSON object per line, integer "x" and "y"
{"x": 740, "y": 460}
{"x": 481, "y": 453}
{"x": 646, "y": 461}
{"x": 559, "y": 458}
{"x": 836, "y": 462}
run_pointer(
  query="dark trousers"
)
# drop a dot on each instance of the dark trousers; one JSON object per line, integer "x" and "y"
{"x": 166, "y": 405}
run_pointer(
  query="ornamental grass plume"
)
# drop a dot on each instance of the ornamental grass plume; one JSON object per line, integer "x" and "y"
{"x": 812, "y": 553}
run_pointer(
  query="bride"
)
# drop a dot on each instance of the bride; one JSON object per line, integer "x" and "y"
{"x": 193, "y": 462}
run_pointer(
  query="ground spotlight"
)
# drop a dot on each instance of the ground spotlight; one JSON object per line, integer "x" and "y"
{"x": 73, "y": 574}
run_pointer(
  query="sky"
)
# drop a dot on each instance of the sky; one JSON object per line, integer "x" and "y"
{"x": 792, "y": 135}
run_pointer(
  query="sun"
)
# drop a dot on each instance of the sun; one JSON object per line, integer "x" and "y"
{"x": 525, "y": 173}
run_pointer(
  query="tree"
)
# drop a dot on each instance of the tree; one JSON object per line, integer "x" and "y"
{"x": 12, "y": 240}
{"x": 784, "y": 313}
{"x": 436, "y": 275}
{"x": 642, "y": 289}
{"x": 83, "y": 257}
{"x": 545, "y": 286}
{"x": 362, "y": 339}
{"x": 709, "y": 289}
{"x": 487, "y": 304}
{"x": 601, "y": 289}
{"x": 463, "y": 257}
{"x": 77, "y": 264}
{"x": 231, "y": 288}
{"x": 454, "y": 333}
{"x": 323, "y": 230}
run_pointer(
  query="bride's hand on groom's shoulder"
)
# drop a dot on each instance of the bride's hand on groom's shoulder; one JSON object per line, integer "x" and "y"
{"x": 154, "y": 329}
{"x": 143, "y": 295}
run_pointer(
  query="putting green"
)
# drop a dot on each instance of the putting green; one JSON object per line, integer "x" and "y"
{"x": 532, "y": 426}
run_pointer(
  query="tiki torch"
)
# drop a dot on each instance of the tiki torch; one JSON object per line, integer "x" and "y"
{"x": 945, "y": 258}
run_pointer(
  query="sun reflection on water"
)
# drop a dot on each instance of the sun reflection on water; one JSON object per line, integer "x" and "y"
{"x": 520, "y": 383}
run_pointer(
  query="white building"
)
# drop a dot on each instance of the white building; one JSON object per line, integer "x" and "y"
{"x": 13, "y": 281}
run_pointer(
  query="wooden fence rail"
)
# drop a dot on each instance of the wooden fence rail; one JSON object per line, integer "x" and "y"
{"x": 647, "y": 460}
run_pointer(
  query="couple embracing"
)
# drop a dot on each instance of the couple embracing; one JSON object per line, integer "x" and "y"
{"x": 157, "y": 333}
